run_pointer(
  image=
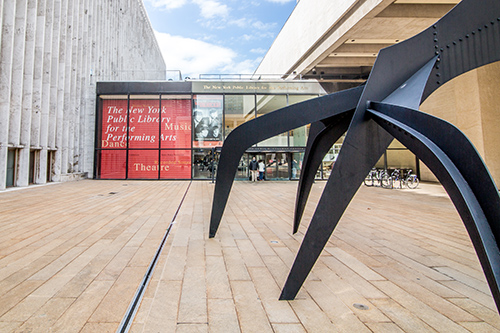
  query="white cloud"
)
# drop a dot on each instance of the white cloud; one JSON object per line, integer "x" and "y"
{"x": 244, "y": 67}
{"x": 281, "y": 1}
{"x": 167, "y": 4}
{"x": 249, "y": 23}
{"x": 258, "y": 51}
{"x": 240, "y": 23}
{"x": 263, "y": 26}
{"x": 193, "y": 57}
{"x": 209, "y": 8}
{"x": 212, "y": 8}
{"x": 257, "y": 36}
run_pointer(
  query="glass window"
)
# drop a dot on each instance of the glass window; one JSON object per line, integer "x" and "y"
{"x": 297, "y": 159}
{"x": 330, "y": 158}
{"x": 203, "y": 163}
{"x": 238, "y": 109}
{"x": 266, "y": 104}
{"x": 143, "y": 164}
{"x": 207, "y": 120}
{"x": 176, "y": 122}
{"x": 113, "y": 164}
{"x": 113, "y": 133}
{"x": 175, "y": 164}
{"x": 242, "y": 171}
{"x": 276, "y": 166}
{"x": 144, "y": 123}
{"x": 298, "y": 136}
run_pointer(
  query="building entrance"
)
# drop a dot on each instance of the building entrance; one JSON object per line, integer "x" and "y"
{"x": 173, "y": 130}
{"x": 277, "y": 164}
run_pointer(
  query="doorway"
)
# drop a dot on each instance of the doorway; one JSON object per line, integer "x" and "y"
{"x": 11, "y": 167}
{"x": 277, "y": 166}
{"x": 34, "y": 165}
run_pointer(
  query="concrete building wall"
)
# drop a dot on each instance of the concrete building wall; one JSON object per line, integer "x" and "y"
{"x": 52, "y": 53}
{"x": 472, "y": 103}
{"x": 314, "y": 28}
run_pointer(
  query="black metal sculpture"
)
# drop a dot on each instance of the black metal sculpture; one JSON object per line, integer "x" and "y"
{"x": 386, "y": 107}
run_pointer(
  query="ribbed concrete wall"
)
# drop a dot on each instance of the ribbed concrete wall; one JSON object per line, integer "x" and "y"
{"x": 52, "y": 52}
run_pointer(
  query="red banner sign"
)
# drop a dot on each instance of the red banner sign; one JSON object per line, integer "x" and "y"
{"x": 114, "y": 124}
{"x": 147, "y": 128}
{"x": 176, "y": 123}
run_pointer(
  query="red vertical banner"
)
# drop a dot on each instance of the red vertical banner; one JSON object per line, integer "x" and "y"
{"x": 144, "y": 123}
{"x": 175, "y": 164}
{"x": 176, "y": 123}
{"x": 140, "y": 141}
{"x": 207, "y": 120}
{"x": 113, "y": 164}
{"x": 143, "y": 164}
{"x": 113, "y": 124}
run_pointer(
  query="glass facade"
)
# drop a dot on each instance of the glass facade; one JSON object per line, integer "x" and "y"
{"x": 238, "y": 109}
{"x": 172, "y": 135}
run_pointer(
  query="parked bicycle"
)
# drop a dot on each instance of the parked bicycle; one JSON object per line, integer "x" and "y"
{"x": 378, "y": 177}
{"x": 411, "y": 180}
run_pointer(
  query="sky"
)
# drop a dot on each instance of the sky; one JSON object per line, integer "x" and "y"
{"x": 216, "y": 36}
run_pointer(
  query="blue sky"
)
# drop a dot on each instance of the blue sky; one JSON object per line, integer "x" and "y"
{"x": 216, "y": 36}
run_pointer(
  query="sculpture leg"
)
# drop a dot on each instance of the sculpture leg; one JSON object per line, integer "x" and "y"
{"x": 269, "y": 125}
{"x": 322, "y": 136}
{"x": 364, "y": 145}
{"x": 460, "y": 169}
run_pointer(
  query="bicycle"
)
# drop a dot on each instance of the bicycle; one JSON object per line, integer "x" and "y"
{"x": 380, "y": 176}
{"x": 396, "y": 176}
{"x": 411, "y": 180}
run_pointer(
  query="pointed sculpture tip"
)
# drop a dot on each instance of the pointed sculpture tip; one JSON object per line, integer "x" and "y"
{"x": 284, "y": 297}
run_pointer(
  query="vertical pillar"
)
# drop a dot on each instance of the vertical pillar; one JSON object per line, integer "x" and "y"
{"x": 78, "y": 88}
{"x": 36, "y": 103}
{"x": 17, "y": 85}
{"x": 82, "y": 84}
{"x": 17, "y": 72}
{"x": 6, "y": 52}
{"x": 60, "y": 91}
{"x": 67, "y": 111}
{"x": 72, "y": 107}
{"x": 27, "y": 94}
{"x": 90, "y": 91}
{"x": 1, "y": 18}
{"x": 45, "y": 94}
{"x": 54, "y": 83}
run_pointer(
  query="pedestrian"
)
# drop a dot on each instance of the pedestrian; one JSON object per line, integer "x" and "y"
{"x": 262, "y": 169}
{"x": 254, "y": 169}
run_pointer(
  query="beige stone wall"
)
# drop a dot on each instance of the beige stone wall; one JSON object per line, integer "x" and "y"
{"x": 52, "y": 53}
{"x": 472, "y": 103}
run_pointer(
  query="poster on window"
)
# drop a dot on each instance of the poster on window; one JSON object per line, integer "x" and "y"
{"x": 144, "y": 123}
{"x": 176, "y": 164}
{"x": 176, "y": 123}
{"x": 207, "y": 120}
{"x": 143, "y": 164}
{"x": 112, "y": 164}
{"x": 114, "y": 124}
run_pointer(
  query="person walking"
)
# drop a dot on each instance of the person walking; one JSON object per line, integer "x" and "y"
{"x": 254, "y": 169}
{"x": 262, "y": 169}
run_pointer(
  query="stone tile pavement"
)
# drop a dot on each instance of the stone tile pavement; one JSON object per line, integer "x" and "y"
{"x": 72, "y": 256}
